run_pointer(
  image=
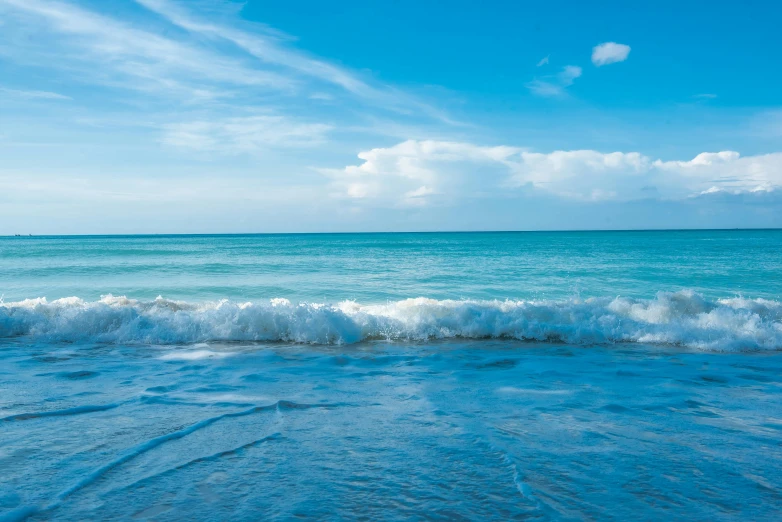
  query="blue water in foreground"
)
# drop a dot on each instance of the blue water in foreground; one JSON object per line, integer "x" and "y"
{"x": 530, "y": 376}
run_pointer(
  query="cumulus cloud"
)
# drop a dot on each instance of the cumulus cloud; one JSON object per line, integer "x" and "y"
{"x": 727, "y": 171}
{"x": 581, "y": 174}
{"x": 418, "y": 173}
{"x": 609, "y": 52}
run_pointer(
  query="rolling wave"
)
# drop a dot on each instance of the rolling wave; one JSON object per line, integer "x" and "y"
{"x": 682, "y": 318}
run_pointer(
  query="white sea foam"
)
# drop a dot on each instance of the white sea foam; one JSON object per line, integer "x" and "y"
{"x": 192, "y": 355}
{"x": 679, "y": 318}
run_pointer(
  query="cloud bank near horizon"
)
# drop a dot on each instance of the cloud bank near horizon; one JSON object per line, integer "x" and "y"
{"x": 418, "y": 173}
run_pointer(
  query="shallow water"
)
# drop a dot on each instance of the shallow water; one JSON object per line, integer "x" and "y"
{"x": 499, "y": 430}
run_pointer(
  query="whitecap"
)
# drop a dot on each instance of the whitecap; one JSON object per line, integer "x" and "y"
{"x": 683, "y": 318}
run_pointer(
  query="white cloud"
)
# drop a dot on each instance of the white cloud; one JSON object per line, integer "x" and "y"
{"x": 268, "y": 46}
{"x": 580, "y": 174}
{"x": 424, "y": 172}
{"x": 569, "y": 73}
{"x": 322, "y": 96}
{"x": 609, "y": 52}
{"x": 33, "y": 95}
{"x": 129, "y": 57}
{"x": 414, "y": 173}
{"x": 244, "y": 134}
{"x": 543, "y": 61}
{"x": 728, "y": 171}
{"x": 704, "y": 159}
{"x": 218, "y": 58}
{"x": 546, "y": 89}
{"x": 554, "y": 85}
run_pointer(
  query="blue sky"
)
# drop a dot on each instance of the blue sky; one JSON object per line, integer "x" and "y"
{"x": 214, "y": 116}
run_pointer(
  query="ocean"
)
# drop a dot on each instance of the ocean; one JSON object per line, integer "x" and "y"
{"x": 529, "y": 376}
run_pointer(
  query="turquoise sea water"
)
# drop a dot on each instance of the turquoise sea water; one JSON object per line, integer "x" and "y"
{"x": 541, "y": 376}
{"x": 374, "y": 268}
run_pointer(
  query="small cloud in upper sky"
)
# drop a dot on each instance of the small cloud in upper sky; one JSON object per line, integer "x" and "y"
{"x": 544, "y": 88}
{"x": 554, "y": 86}
{"x": 569, "y": 73}
{"x": 609, "y": 52}
{"x": 705, "y": 96}
{"x": 543, "y": 62}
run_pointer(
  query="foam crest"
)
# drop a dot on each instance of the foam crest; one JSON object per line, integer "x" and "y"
{"x": 678, "y": 318}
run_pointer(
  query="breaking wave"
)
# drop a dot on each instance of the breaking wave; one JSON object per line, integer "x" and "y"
{"x": 682, "y": 318}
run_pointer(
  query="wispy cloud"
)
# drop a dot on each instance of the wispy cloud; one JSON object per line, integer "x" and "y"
{"x": 253, "y": 134}
{"x": 543, "y": 61}
{"x": 33, "y": 95}
{"x": 130, "y": 57}
{"x": 268, "y": 46}
{"x": 609, "y": 52}
{"x": 230, "y": 62}
{"x": 554, "y": 85}
{"x": 265, "y": 46}
{"x": 545, "y": 88}
{"x": 569, "y": 74}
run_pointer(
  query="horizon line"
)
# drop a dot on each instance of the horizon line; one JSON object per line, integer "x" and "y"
{"x": 539, "y": 231}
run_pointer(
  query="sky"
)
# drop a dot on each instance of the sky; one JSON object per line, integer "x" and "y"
{"x": 215, "y": 116}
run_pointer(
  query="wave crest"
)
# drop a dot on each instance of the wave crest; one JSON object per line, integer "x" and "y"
{"x": 679, "y": 318}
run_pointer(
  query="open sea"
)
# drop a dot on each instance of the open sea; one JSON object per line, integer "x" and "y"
{"x": 454, "y": 376}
